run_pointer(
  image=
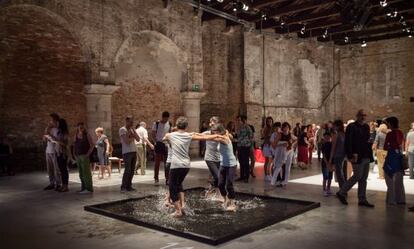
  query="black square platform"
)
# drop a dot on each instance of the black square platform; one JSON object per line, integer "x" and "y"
{"x": 206, "y": 221}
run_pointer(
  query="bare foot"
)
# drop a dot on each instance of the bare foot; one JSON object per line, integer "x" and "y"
{"x": 177, "y": 214}
{"x": 231, "y": 208}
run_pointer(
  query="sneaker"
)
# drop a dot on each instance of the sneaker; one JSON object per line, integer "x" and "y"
{"x": 49, "y": 187}
{"x": 366, "y": 204}
{"x": 85, "y": 192}
{"x": 341, "y": 198}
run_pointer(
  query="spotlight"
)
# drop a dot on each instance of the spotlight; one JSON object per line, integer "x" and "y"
{"x": 325, "y": 34}
{"x": 410, "y": 35}
{"x": 245, "y": 7}
{"x": 363, "y": 44}
{"x": 383, "y": 3}
{"x": 234, "y": 9}
{"x": 394, "y": 14}
{"x": 346, "y": 39}
{"x": 220, "y": 1}
{"x": 303, "y": 29}
{"x": 282, "y": 21}
{"x": 264, "y": 17}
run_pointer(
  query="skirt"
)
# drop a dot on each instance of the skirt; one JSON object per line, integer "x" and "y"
{"x": 303, "y": 154}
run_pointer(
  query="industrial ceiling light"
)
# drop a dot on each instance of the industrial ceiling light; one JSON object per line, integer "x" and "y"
{"x": 245, "y": 7}
{"x": 325, "y": 34}
{"x": 303, "y": 29}
{"x": 383, "y": 3}
{"x": 346, "y": 39}
{"x": 394, "y": 13}
{"x": 363, "y": 44}
{"x": 264, "y": 17}
{"x": 220, "y": 1}
{"x": 282, "y": 21}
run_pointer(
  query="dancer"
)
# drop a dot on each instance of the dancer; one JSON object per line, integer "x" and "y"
{"x": 212, "y": 156}
{"x": 180, "y": 141}
{"x": 266, "y": 133}
{"x": 128, "y": 136}
{"x": 289, "y": 153}
{"x": 227, "y": 167}
{"x": 327, "y": 168}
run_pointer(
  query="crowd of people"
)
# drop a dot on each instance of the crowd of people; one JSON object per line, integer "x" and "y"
{"x": 356, "y": 144}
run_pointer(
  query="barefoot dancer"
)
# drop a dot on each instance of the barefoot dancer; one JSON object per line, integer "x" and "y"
{"x": 227, "y": 167}
{"x": 180, "y": 161}
{"x": 212, "y": 157}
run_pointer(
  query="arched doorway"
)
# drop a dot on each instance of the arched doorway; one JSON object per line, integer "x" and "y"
{"x": 151, "y": 72}
{"x": 43, "y": 71}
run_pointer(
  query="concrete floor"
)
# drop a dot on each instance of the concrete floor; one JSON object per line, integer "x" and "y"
{"x": 33, "y": 218}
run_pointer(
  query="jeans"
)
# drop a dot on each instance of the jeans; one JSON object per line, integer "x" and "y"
{"x": 214, "y": 171}
{"x": 63, "y": 167}
{"x": 339, "y": 170}
{"x": 130, "y": 160}
{"x": 244, "y": 154}
{"x": 226, "y": 179}
{"x": 360, "y": 176}
{"x": 327, "y": 175}
{"x": 85, "y": 174}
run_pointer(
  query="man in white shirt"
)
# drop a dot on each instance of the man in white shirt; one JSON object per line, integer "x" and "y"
{"x": 142, "y": 147}
{"x": 159, "y": 129}
{"x": 128, "y": 136}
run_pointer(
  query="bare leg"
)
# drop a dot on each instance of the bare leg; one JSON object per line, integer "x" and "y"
{"x": 182, "y": 200}
{"x": 178, "y": 210}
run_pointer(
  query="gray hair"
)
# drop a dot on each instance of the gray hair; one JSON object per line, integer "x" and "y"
{"x": 142, "y": 124}
{"x": 181, "y": 123}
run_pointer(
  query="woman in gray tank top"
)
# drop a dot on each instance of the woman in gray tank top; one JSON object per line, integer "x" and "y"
{"x": 338, "y": 151}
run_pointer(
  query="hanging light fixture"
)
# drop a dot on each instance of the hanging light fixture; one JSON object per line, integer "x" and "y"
{"x": 303, "y": 29}
{"x": 346, "y": 39}
{"x": 363, "y": 44}
{"x": 325, "y": 34}
{"x": 383, "y": 3}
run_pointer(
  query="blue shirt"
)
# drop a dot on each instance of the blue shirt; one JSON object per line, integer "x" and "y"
{"x": 227, "y": 157}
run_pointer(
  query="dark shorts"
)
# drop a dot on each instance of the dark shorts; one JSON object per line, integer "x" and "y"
{"x": 176, "y": 179}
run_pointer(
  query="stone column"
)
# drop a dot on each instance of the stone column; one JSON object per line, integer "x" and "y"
{"x": 191, "y": 108}
{"x": 99, "y": 107}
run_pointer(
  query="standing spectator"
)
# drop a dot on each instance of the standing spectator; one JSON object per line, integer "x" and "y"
{"x": 378, "y": 147}
{"x": 327, "y": 169}
{"x": 159, "y": 129}
{"x": 296, "y": 133}
{"x": 231, "y": 128}
{"x": 267, "y": 149}
{"x": 50, "y": 135}
{"x": 62, "y": 153}
{"x": 102, "y": 148}
{"x": 142, "y": 147}
{"x": 359, "y": 153}
{"x": 6, "y": 151}
{"x": 303, "y": 150}
{"x": 244, "y": 138}
{"x": 204, "y": 127}
{"x": 320, "y": 131}
{"x": 410, "y": 150}
{"x": 83, "y": 147}
{"x": 338, "y": 154}
{"x": 251, "y": 156}
{"x": 128, "y": 136}
{"x": 393, "y": 168}
{"x": 311, "y": 143}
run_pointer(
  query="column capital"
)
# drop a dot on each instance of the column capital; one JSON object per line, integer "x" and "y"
{"x": 100, "y": 89}
{"x": 193, "y": 95}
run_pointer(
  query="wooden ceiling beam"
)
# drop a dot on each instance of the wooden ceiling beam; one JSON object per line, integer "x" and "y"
{"x": 293, "y": 8}
{"x": 374, "y": 38}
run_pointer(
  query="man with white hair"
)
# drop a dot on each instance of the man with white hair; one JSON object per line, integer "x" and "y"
{"x": 142, "y": 147}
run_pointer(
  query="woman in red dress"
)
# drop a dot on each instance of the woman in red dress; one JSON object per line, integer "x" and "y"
{"x": 303, "y": 150}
